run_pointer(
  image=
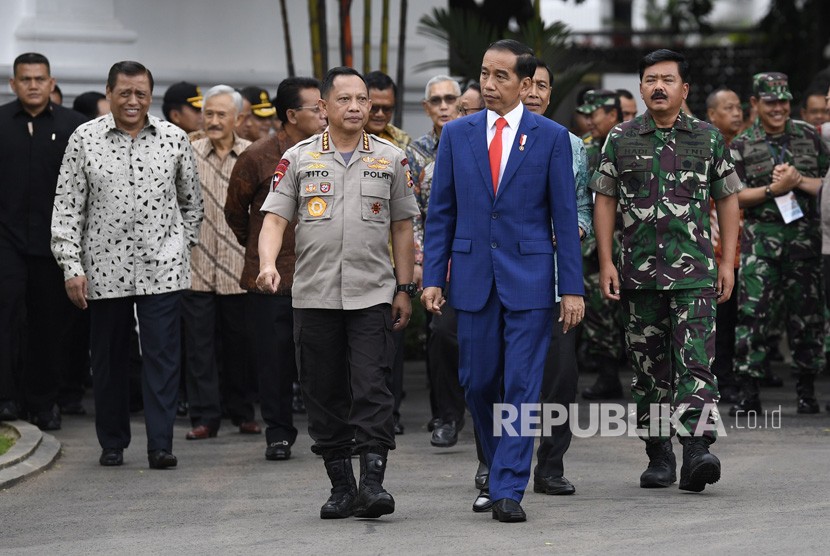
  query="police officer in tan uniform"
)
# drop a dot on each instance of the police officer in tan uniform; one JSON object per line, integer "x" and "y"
{"x": 348, "y": 191}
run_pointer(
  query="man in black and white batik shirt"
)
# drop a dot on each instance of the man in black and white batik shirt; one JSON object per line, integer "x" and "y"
{"x": 127, "y": 211}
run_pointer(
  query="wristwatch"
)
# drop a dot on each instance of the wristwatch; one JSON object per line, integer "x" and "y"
{"x": 409, "y": 289}
{"x": 768, "y": 192}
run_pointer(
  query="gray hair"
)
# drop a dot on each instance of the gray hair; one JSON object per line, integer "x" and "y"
{"x": 441, "y": 79}
{"x": 224, "y": 90}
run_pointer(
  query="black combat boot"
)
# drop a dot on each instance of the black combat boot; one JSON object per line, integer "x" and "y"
{"x": 750, "y": 397}
{"x": 806, "y": 391}
{"x": 607, "y": 385}
{"x": 372, "y": 499}
{"x": 343, "y": 489}
{"x": 662, "y": 465}
{"x": 699, "y": 466}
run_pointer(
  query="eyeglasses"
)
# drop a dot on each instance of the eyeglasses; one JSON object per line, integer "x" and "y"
{"x": 436, "y": 100}
{"x": 472, "y": 110}
{"x": 381, "y": 108}
{"x": 315, "y": 109}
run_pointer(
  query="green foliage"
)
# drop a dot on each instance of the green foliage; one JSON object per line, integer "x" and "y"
{"x": 467, "y": 36}
{"x": 679, "y": 16}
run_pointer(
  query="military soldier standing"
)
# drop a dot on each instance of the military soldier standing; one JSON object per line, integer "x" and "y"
{"x": 602, "y": 329}
{"x": 663, "y": 166}
{"x": 348, "y": 190}
{"x": 781, "y": 162}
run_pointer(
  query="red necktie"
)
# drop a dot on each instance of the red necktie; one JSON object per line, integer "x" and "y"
{"x": 495, "y": 153}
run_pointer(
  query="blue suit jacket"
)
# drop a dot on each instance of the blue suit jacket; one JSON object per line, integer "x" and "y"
{"x": 506, "y": 239}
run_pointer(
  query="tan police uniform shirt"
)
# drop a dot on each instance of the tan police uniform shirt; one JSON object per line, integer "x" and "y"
{"x": 344, "y": 213}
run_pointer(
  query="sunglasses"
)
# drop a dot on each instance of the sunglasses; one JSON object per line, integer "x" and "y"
{"x": 436, "y": 100}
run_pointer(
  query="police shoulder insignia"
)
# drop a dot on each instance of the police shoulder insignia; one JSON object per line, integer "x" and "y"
{"x": 279, "y": 172}
{"x": 404, "y": 161}
{"x": 409, "y": 182}
{"x": 316, "y": 207}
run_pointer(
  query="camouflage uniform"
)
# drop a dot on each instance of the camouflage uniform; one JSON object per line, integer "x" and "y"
{"x": 663, "y": 180}
{"x": 778, "y": 260}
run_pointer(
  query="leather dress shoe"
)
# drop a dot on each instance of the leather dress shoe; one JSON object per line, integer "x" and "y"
{"x": 482, "y": 503}
{"x": 482, "y": 478}
{"x": 278, "y": 450}
{"x": 434, "y": 422}
{"x": 8, "y": 411}
{"x": 553, "y": 485}
{"x": 49, "y": 420}
{"x": 201, "y": 432}
{"x": 508, "y": 510}
{"x": 111, "y": 457}
{"x": 398, "y": 427}
{"x": 249, "y": 427}
{"x": 161, "y": 459}
{"x": 445, "y": 435}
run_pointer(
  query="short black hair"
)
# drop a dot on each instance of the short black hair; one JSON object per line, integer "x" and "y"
{"x": 333, "y": 73}
{"x": 87, "y": 103}
{"x": 525, "y": 60}
{"x": 380, "y": 81}
{"x": 625, "y": 93}
{"x": 666, "y": 55}
{"x": 31, "y": 58}
{"x": 812, "y": 92}
{"x": 288, "y": 94}
{"x": 128, "y": 68}
{"x": 541, "y": 64}
{"x": 474, "y": 85}
{"x": 712, "y": 98}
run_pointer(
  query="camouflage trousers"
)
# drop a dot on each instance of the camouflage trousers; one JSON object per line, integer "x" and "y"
{"x": 671, "y": 344}
{"x": 602, "y": 326}
{"x": 798, "y": 284}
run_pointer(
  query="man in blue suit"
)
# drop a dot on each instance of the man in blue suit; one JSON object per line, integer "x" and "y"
{"x": 501, "y": 177}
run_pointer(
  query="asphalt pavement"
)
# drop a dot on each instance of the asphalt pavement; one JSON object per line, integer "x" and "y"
{"x": 226, "y": 498}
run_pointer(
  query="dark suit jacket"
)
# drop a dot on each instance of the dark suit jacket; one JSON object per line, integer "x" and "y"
{"x": 506, "y": 239}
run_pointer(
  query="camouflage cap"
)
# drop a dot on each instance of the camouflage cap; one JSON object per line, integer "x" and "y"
{"x": 771, "y": 86}
{"x": 596, "y": 98}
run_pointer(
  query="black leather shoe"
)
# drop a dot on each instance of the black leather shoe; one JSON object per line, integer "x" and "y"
{"x": 482, "y": 503}
{"x": 161, "y": 459}
{"x": 8, "y": 411}
{"x": 662, "y": 465}
{"x": 47, "y": 420}
{"x": 699, "y": 466}
{"x": 808, "y": 406}
{"x": 445, "y": 435}
{"x": 553, "y": 485}
{"x": 508, "y": 510}
{"x": 745, "y": 406}
{"x": 433, "y": 423}
{"x": 482, "y": 476}
{"x": 111, "y": 457}
{"x": 278, "y": 450}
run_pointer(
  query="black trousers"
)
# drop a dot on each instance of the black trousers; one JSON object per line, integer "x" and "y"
{"x": 216, "y": 351}
{"x": 395, "y": 379}
{"x": 269, "y": 323}
{"x": 726, "y": 318}
{"x": 35, "y": 321}
{"x": 159, "y": 319}
{"x": 344, "y": 357}
{"x": 559, "y": 384}
{"x": 442, "y": 354}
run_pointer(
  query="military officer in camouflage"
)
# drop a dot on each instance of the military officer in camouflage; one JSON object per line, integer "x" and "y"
{"x": 349, "y": 191}
{"x": 602, "y": 328}
{"x": 781, "y": 162}
{"x": 663, "y": 167}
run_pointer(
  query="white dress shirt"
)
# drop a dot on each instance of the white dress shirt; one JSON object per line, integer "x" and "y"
{"x": 508, "y": 133}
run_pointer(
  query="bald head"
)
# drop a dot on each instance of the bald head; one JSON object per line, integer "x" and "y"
{"x": 723, "y": 108}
